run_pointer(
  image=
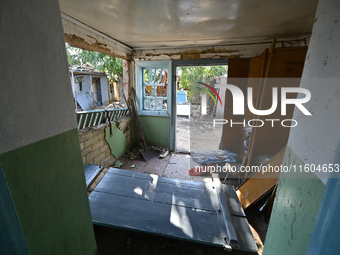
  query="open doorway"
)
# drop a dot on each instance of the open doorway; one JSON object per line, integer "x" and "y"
{"x": 96, "y": 90}
{"x": 199, "y": 101}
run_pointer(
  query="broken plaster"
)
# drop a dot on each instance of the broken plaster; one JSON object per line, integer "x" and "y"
{"x": 76, "y": 41}
{"x": 218, "y": 51}
{"x": 191, "y": 54}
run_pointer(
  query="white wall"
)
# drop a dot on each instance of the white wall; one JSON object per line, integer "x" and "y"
{"x": 86, "y": 84}
{"x": 88, "y": 87}
{"x": 316, "y": 138}
{"x": 30, "y": 112}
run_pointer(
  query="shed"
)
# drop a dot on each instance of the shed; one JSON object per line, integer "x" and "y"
{"x": 90, "y": 88}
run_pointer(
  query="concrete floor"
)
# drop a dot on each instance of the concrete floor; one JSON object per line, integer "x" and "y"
{"x": 153, "y": 166}
{"x": 194, "y": 133}
{"x": 191, "y": 134}
{"x": 174, "y": 166}
{"x": 197, "y": 133}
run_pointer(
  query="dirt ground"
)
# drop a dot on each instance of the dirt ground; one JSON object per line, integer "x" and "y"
{"x": 197, "y": 132}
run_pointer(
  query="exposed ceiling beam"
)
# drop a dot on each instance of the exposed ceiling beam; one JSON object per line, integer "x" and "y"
{"x": 80, "y": 35}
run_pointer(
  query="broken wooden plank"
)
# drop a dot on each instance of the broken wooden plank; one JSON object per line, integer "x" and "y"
{"x": 96, "y": 180}
{"x": 123, "y": 122}
{"x": 260, "y": 183}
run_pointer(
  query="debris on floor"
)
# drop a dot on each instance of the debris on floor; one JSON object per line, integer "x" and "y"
{"x": 261, "y": 183}
{"x": 118, "y": 164}
{"x": 258, "y": 240}
{"x": 216, "y": 157}
{"x": 163, "y": 152}
{"x": 146, "y": 151}
{"x": 133, "y": 161}
{"x": 133, "y": 154}
{"x": 201, "y": 170}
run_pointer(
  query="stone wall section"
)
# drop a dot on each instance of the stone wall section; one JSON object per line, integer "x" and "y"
{"x": 95, "y": 149}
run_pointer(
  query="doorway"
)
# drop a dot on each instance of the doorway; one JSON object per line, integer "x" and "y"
{"x": 99, "y": 91}
{"x": 198, "y": 101}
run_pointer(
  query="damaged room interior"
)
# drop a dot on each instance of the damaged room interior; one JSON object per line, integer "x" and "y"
{"x": 162, "y": 127}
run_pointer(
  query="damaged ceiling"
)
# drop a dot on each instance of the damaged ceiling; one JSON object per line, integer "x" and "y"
{"x": 137, "y": 25}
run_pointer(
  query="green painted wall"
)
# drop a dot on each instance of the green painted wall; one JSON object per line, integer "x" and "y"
{"x": 47, "y": 183}
{"x": 156, "y": 130}
{"x": 117, "y": 142}
{"x": 295, "y": 210}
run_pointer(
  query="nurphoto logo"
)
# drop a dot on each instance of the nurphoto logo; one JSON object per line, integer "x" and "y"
{"x": 239, "y": 105}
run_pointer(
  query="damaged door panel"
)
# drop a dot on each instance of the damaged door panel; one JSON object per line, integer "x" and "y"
{"x": 283, "y": 68}
{"x": 201, "y": 212}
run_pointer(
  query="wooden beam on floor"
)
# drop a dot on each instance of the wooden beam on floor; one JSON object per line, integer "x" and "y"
{"x": 96, "y": 180}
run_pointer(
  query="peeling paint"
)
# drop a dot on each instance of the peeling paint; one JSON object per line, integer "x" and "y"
{"x": 97, "y": 42}
{"x": 76, "y": 41}
{"x": 80, "y": 35}
{"x": 192, "y": 54}
{"x": 220, "y": 51}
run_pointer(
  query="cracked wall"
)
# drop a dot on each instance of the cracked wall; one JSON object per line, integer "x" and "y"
{"x": 314, "y": 141}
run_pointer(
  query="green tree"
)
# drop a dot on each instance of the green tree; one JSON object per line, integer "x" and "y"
{"x": 100, "y": 62}
{"x": 192, "y": 74}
